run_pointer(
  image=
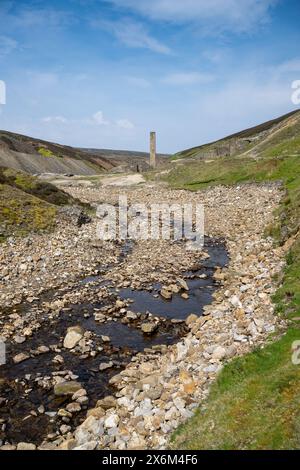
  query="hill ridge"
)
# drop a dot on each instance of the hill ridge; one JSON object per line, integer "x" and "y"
{"x": 239, "y": 142}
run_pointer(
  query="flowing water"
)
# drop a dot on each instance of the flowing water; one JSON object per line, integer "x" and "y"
{"x": 20, "y": 394}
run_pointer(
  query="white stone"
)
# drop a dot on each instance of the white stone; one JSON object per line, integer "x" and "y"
{"x": 112, "y": 421}
{"x": 26, "y": 446}
{"x": 182, "y": 350}
{"x": 235, "y": 301}
{"x": 89, "y": 429}
{"x": 73, "y": 336}
{"x": 91, "y": 445}
{"x": 219, "y": 353}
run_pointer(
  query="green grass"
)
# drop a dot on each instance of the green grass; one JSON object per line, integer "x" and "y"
{"x": 201, "y": 174}
{"x": 45, "y": 152}
{"x": 287, "y": 298}
{"x": 254, "y": 140}
{"x": 255, "y": 402}
{"x": 31, "y": 185}
{"x": 21, "y": 213}
{"x": 29, "y": 205}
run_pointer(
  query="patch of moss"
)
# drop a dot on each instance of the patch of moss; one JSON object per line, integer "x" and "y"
{"x": 31, "y": 185}
{"x": 45, "y": 152}
{"x": 21, "y": 213}
{"x": 28, "y": 204}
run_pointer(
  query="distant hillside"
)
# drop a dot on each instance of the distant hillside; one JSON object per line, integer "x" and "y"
{"x": 127, "y": 160}
{"x": 252, "y": 142}
{"x": 37, "y": 156}
{"x": 250, "y": 155}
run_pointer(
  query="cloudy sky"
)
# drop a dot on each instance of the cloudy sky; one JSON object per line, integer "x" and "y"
{"x": 96, "y": 73}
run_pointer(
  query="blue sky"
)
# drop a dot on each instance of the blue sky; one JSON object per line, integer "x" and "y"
{"x": 95, "y": 73}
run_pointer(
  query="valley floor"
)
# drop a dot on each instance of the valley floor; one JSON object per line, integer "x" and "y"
{"x": 161, "y": 387}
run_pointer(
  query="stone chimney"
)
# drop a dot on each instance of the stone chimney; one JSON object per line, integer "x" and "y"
{"x": 153, "y": 149}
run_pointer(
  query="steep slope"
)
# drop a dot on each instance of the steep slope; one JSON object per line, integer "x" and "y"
{"x": 38, "y": 156}
{"x": 263, "y": 158}
{"x": 21, "y": 213}
{"x": 27, "y": 204}
{"x": 252, "y": 142}
{"x": 254, "y": 403}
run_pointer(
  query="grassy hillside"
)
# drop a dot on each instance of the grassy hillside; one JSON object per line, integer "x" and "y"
{"x": 31, "y": 185}
{"x": 27, "y": 204}
{"x": 254, "y": 403}
{"x": 250, "y": 141}
{"x": 21, "y": 213}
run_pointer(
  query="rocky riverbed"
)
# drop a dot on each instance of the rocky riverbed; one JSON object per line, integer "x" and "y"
{"x": 112, "y": 345}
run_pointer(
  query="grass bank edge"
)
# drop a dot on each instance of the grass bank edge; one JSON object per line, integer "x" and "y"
{"x": 264, "y": 380}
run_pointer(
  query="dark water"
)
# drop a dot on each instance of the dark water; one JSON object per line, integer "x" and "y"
{"x": 200, "y": 290}
{"x": 125, "y": 341}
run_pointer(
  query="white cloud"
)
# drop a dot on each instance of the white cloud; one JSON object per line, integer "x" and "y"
{"x": 60, "y": 119}
{"x": 7, "y": 45}
{"x": 125, "y": 124}
{"x": 238, "y": 14}
{"x": 185, "y": 78}
{"x": 133, "y": 34}
{"x": 99, "y": 119}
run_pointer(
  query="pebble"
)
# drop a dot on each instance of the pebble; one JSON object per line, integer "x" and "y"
{"x": 67, "y": 388}
{"x": 26, "y": 446}
{"x": 74, "y": 407}
{"x": 112, "y": 421}
{"x": 105, "y": 339}
{"x": 105, "y": 365}
{"x": 73, "y": 336}
{"x": 20, "y": 358}
{"x": 149, "y": 328}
